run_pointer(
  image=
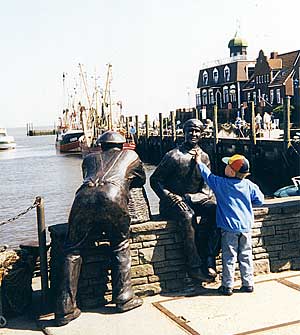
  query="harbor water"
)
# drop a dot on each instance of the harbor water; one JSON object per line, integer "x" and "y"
{"x": 34, "y": 169}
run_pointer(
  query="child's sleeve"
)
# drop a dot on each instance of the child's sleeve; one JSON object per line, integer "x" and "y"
{"x": 257, "y": 197}
{"x": 209, "y": 177}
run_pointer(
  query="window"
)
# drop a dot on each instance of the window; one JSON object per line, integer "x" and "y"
{"x": 211, "y": 96}
{"x": 198, "y": 100}
{"x": 271, "y": 96}
{"x": 218, "y": 98}
{"x": 205, "y": 78}
{"x": 232, "y": 93}
{"x": 215, "y": 75}
{"x": 226, "y": 73}
{"x": 278, "y": 97}
{"x": 225, "y": 94}
{"x": 204, "y": 97}
{"x": 248, "y": 96}
{"x": 254, "y": 97}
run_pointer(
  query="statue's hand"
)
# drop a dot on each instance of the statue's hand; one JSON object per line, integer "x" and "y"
{"x": 197, "y": 156}
{"x": 176, "y": 199}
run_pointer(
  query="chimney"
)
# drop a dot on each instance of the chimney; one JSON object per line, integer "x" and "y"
{"x": 274, "y": 54}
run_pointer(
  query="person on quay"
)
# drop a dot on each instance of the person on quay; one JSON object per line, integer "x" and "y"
{"x": 100, "y": 208}
{"x": 184, "y": 197}
{"x": 235, "y": 196}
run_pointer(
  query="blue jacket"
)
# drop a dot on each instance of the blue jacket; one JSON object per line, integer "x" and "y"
{"x": 235, "y": 198}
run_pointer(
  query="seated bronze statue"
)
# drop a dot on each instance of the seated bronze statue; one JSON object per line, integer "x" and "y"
{"x": 101, "y": 207}
{"x": 184, "y": 196}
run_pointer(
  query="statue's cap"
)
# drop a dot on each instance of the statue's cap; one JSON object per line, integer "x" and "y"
{"x": 193, "y": 123}
{"x": 111, "y": 137}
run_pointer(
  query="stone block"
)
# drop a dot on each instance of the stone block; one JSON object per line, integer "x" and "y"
{"x": 149, "y": 289}
{"x": 174, "y": 254}
{"x": 139, "y": 281}
{"x": 261, "y": 266}
{"x": 149, "y": 244}
{"x": 141, "y": 270}
{"x": 143, "y": 237}
{"x": 276, "y": 239}
{"x": 148, "y": 255}
{"x": 280, "y": 265}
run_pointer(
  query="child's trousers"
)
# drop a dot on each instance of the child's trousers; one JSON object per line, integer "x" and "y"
{"x": 237, "y": 247}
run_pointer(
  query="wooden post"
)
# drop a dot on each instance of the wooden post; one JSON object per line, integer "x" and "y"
{"x": 147, "y": 126}
{"x": 42, "y": 249}
{"x": 216, "y": 139}
{"x": 127, "y": 127}
{"x": 286, "y": 122}
{"x": 160, "y": 126}
{"x": 137, "y": 127}
{"x": 253, "y": 125}
{"x": 161, "y": 133}
{"x": 109, "y": 122}
{"x": 173, "y": 125}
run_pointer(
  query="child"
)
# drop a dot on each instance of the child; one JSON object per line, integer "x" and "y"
{"x": 235, "y": 196}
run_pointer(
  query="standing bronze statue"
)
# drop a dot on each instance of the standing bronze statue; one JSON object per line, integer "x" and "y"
{"x": 184, "y": 196}
{"x": 101, "y": 207}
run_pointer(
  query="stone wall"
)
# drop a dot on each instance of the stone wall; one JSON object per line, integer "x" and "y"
{"x": 157, "y": 253}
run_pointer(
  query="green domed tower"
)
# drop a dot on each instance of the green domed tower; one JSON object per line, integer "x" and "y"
{"x": 237, "y": 46}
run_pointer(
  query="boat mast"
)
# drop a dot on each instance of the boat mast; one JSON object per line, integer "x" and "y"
{"x": 107, "y": 94}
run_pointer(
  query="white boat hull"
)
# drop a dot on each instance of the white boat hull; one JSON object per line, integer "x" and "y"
{"x": 7, "y": 146}
{"x": 6, "y": 142}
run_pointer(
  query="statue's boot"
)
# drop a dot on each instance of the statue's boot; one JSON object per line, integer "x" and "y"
{"x": 211, "y": 267}
{"x": 213, "y": 249}
{"x": 193, "y": 261}
{"x": 66, "y": 307}
{"x": 122, "y": 292}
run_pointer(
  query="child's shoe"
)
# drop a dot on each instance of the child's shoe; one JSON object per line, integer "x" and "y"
{"x": 225, "y": 290}
{"x": 247, "y": 289}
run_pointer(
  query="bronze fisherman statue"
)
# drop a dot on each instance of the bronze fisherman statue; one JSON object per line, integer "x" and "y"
{"x": 184, "y": 196}
{"x": 101, "y": 207}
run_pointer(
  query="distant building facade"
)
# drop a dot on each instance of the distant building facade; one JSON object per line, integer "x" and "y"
{"x": 221, "y": 82}
{"x": 273, "y": 79}
{"x": 232, "y": 83}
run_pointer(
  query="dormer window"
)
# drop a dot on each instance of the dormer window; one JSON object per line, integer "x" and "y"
{"x": 215, "y": 75}
{"x": 205, "y": 78}
{"x": 226, "y": 73}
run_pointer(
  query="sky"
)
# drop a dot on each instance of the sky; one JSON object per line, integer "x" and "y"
{"x": 156, "y": 48}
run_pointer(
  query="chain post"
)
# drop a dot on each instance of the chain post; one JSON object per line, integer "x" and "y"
{"x": 42, "y": 249}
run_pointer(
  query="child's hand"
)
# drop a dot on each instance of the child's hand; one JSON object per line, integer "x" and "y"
{"x": 197, "y": 156}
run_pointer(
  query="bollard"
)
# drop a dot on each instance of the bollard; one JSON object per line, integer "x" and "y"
{"x": 216, "y": 136}
{"x": 253, "y": 124}
{"x": 287, "y": 123}
{"x": 173, "y": 124}
{"x": 42, "y": 249}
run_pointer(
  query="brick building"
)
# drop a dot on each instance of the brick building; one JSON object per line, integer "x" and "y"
{"x": 233, "y": 82}
{"x": 273, "y": 79}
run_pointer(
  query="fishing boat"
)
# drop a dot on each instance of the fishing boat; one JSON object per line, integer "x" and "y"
{"x": 68, "y": 140}
{"x": 6, "y": 141}
{"x": 101, "y": 115}
{"x": 69, "y": 129}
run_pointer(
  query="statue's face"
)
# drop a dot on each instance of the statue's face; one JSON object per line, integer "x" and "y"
{"x": 192, "y": 135}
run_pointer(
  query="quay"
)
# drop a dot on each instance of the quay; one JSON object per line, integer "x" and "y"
{"x": 30, "y": 131}
{"x": 174, "y": 304}
{"x": 274, "y": 154}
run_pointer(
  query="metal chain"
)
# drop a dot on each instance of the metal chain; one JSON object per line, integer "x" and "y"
{"x": 35, "y": 204}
